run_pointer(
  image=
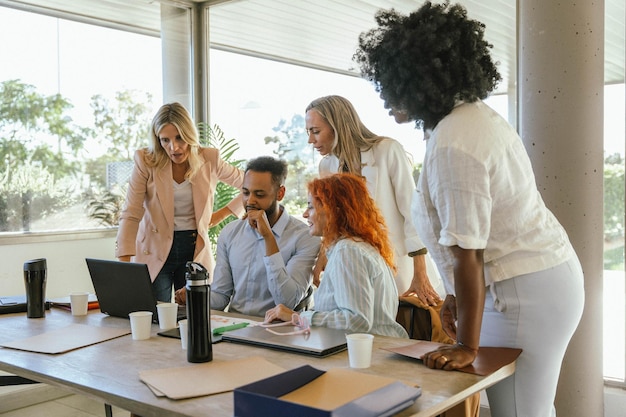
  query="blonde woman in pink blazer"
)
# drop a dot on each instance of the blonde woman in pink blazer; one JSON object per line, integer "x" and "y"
{"x": 169, "y": 205}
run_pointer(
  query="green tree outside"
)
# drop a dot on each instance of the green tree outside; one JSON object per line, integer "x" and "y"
{"x": 42, "y": 160}
{"x": 123, "y": 123}
{"x": 614, "y": 209}
{"x": 37, "y": 143}
{"x": 292, "y": 145}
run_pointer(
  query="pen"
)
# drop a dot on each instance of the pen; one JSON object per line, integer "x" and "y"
{"x": 224, "y": 329}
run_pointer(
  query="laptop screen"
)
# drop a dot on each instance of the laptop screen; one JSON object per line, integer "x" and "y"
{"x": 122, "y": 287}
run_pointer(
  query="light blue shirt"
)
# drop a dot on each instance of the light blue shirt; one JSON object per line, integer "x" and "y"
{"x": 358, "y": 292}
{"x": 251, "y": 282}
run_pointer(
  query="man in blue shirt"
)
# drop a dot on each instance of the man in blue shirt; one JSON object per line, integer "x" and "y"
{"x": 266, "y": 258}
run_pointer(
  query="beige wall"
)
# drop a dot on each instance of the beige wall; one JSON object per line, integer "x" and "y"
{"x": 65, "y": 258}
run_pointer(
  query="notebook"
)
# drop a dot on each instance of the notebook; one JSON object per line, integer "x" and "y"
{"x": 124, "y": 287}
{"x": 219, "y": 326}
{"x": 66, "y": 303}
{"x": 322, "y": 341}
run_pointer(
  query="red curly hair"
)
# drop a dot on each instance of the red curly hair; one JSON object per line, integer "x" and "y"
{"x": 351, "y": 213}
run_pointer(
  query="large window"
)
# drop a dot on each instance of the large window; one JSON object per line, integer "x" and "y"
{"x": 262, "y": 104}
{"x": 614, "y": 186}
{"x": 76, "y": 100}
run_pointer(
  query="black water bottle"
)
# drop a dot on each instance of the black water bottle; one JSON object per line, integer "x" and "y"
{"x": 199, "y": 348}
{"x": 35, "y": 282}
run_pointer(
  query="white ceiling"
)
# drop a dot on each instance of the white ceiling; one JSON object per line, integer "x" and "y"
{"x": 325, "y": 33}
{"x": 321, "y": 33}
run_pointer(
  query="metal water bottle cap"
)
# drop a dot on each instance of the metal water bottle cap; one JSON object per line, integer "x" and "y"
{"x": 196, "y": 275}
{"x": 197, "y": 282}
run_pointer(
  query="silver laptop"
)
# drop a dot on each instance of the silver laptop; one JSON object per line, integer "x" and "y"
{"x": 322, "y": 341}
{"x": 123, "y": 287}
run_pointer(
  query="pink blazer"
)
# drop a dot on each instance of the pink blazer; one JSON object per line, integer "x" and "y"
{"x": 146, "y": 227}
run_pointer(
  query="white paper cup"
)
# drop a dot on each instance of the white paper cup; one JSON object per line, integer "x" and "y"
{"x": 360, "y": 349}
{"x": 167, "y": 315}
{"x": 79, "y": 302}
{"x": 140, "y": 324}
{"x": 182, "y": 327}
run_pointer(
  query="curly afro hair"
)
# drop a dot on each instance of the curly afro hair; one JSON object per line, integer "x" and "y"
{"x": 424, "y": 62}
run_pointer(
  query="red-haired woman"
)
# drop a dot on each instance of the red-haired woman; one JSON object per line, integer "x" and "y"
{"x": 358, "y": 292}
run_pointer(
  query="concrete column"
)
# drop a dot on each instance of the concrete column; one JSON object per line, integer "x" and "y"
{"x": 560, "y": 90}
{"x": 200, "y": 47}
{"x": 177, "y": 55}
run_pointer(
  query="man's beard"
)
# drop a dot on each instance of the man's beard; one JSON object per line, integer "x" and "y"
{"x": 268, "y": 212}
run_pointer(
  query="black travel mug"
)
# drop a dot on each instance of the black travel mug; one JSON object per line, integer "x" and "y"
{"x": 199, "y": 348}
{"x": 35, "y": 282}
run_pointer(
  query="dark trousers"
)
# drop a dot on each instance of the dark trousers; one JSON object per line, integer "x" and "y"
{"x": 173, "y": 272}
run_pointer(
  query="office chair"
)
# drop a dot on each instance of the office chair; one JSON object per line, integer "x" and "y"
{"x": 422, "y": 322}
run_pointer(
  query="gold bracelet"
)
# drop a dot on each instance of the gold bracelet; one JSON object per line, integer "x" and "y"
{"x": 422, "y": 251}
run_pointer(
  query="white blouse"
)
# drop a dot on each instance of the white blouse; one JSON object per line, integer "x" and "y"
{"x": 477, "y": 191}
{"x": 388, "y": 172}
{"x": 184, "y": 216}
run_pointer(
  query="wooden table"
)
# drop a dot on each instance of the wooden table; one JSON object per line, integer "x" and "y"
{"x": 109, "y": 371}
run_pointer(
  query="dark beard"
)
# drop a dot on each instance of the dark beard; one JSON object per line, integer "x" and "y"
{"x": 274, "y": 208}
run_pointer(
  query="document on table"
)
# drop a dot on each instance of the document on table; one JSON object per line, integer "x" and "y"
{"x": 219, "y": 326}
{"x": 219, "y": 321}
{"x": 488, "y": 360}
{"x": 223, "y": 324}
{"x": 65, "y": 302}
{"x": 66, "y": 338}
{"x": 196, "y": 380}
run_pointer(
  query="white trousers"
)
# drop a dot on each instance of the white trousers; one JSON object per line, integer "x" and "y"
{"x": 538, "y": 313}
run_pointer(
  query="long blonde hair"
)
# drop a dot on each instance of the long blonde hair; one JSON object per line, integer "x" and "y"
{"x": 177, "y": 115}
{"x": 351, "y": 135}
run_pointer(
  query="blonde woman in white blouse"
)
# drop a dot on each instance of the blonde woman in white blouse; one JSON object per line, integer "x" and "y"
{"x": 336, "y": 132}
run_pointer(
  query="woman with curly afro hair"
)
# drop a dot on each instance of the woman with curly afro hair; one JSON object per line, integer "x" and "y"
{"x": 511, "y": 274}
